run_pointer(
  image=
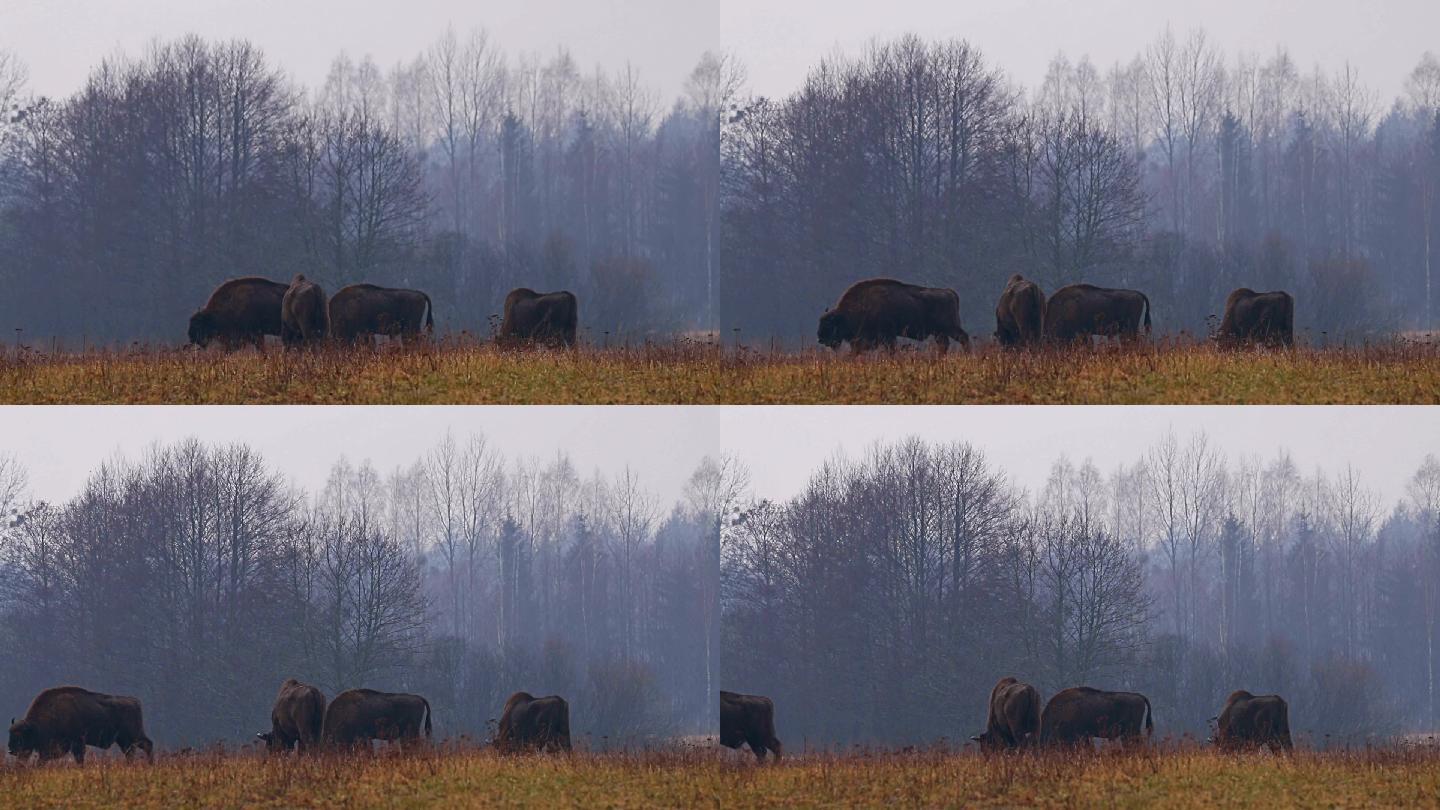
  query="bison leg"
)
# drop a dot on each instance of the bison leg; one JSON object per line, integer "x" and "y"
{"x": 943, "y": 342}
{"x": 77, "y": 750}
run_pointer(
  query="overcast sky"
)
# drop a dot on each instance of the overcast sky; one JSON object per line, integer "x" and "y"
{"x": 60, "y": 40}
{"x": 782, "y": 446}
{"x": 60, "y": 446}
{"x": 780, "y": 41}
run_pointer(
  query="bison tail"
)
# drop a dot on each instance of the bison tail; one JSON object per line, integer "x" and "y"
{"x": 429, "y": 330}
{"x": 1146, "y": 299}
{"x": 427, "y": 717}
{"x": 1149, "y": 715}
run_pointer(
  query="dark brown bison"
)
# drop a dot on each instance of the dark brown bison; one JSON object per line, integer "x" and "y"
{"x": 1076, "y": 714}
{"x": 296, "y": 719}
{"x": 876, "y": 312}
{"x": 1252, "y": 721}
{"x": 1020, "y": 313}
{"x": 360, "y": 311}
{"x": 748, "y": 719}
{"x": 240, "y": 311}
{"x": 304, "y": 316}
{"x": 357, "y": 716}
{"x": 534, "y": 724}
{"x": 65, "y": 719}
{"x": 1250, "y": 317}
{"x": 545, "y": 318}
{"x": 1080, "y": 310}
{"x": 1014, "y": 718}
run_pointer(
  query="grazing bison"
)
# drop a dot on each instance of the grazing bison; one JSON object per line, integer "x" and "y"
{"x": 297, "y": 718}
{"x": 359, "y": 311}
{"x": 357, "y": 716}
{"x": 1080, "y": 310}
{"x": 240, "y": 311}
{"x": 546, "y": 318}
{"x": 304, "y": 319}
{"x": 1076, "y": 714}
{"x": 534, "y": 724}
{"x": 876, "y": 312}
{"x": 748, "y": 719}
{"x": 1251, "y": 317}
{"x": 1014, "y": 718}
{"x": 1020, "y": 313}
{"x": 65, "y": 719}
{"x": 1252, "y": 721}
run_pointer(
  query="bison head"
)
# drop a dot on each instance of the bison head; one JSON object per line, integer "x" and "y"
{"x": 963, "y": 338}
{"x": 24, "y": 738}
{"x": 833, "y": 329}
{"x": 272, "y": 742}
{"x": 202, "y": 328}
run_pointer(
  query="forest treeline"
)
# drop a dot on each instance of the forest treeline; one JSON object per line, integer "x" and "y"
{"x": 197, "y": 579}
{"x": 464, "y": 172}
{"x": 1185, "y": 172}
{"x": 882, "y": 603}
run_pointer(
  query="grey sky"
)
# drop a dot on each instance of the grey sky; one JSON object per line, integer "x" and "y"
{"x": 783, "y": 445}
{"x": 1384, "y": 39}
{"x": 60, "y": 40}
{"x": 60, "y": 446}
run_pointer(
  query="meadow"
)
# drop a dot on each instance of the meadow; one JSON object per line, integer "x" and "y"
{"x": 453, "y": 371}
{"x": 1183, "y": 776}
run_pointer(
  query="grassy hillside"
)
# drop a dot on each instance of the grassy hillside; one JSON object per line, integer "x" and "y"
{"x": 691, "y": 373}
{"x": 708, "y": 778}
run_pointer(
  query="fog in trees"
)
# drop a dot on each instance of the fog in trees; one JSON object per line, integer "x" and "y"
{"x": 197, "y": 578}
{"x": 465, "y": 171}
{"x": 882, "y": 603}
{"x": 1186, "y": 172}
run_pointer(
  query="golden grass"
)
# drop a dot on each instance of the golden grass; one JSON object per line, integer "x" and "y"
{"x": 457, "y": 372}
{"x": 1185, "y": 777}
{"x": 1175, "y": 777}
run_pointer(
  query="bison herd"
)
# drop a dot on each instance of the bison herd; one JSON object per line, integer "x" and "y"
{"x": 871, "y": 314}
{"x": 1073, "y": 717}
{"x": 68, "y": 719}
{"x": 876, "y": 312}
{"x": 242, "y": 311}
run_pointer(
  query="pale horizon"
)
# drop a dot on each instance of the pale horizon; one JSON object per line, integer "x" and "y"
{"x": 779, "y": 44}
{"x": 61, "y": 41}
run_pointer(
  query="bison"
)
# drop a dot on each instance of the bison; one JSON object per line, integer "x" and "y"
{"x": 877, "y": 311}
{"x": 1020, "y": 313}
{"x": 1267, "y": 318}
{"x": 534, "y": 724}
{"x": 748, "y": 719}
{"x": 240, "y": 311}
{"x": 304, "y": 317}
{"x": 1080, "y": 310}
{"x": 1076, "y": 714}
{"x": 65, "y": 719}
{"x": 357, "y": 716}
{"x": 359, "y": 311}
{"x": 1252, "y": 721}
{"x": 296, "y": 719}
{"x": 1014, "y": 718}
{"x": 544, "y": 318}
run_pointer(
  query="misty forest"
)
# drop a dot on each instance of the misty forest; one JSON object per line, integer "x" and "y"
{"x": 197, "y": 578}
{"x": 882, "y": 603}
{"x": 464, "y": 173}
{"x": 1185, "y": 172}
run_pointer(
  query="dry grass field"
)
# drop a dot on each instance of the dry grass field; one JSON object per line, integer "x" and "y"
{"x": 686, "y": 372}
{"x": 1179, "y": 777}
